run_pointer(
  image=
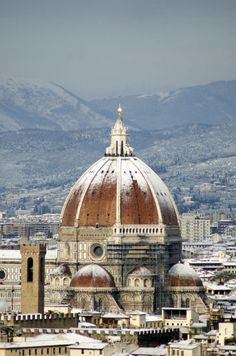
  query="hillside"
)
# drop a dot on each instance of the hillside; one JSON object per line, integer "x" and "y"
{"x": 44, "y": 146}
{"x": 184, "y": 157}
{"x": 211, "y": 104}
{"x": 36, "y": 104}
{"x": 40, "y": 105}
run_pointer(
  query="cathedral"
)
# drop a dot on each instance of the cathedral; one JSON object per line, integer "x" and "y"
{"x": 119, "y": 245}
{"x": 119, "y": 235}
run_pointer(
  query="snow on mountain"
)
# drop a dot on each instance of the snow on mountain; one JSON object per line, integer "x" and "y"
{"x": 211, "y": 104}
{"x": 37, "y": 104}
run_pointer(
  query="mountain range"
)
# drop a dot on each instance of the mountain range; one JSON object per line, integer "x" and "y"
{"x": 48, "y": 135}
{"x": 39, "y": 105}
{"x": 212, "y": 104}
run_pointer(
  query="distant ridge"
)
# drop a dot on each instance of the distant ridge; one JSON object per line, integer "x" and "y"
{"x": 26, "y": 104}
{"x": 49, "y": 136}
{"x": 211, "y": 104}
{"x": 36, "y": 104}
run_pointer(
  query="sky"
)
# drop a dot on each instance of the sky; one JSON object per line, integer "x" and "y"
{"x": 99, "y": 48}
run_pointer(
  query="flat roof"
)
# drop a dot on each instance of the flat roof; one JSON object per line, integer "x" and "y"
{"x": 90, "y": 346}
{"x": 6, "y": 254}
{"x": 184, "y": 345}
{"x": 150, "y": 351}
{"x": 35, "y": 344}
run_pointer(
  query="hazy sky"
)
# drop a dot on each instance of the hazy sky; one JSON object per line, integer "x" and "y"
{"x": 115, "y": 47}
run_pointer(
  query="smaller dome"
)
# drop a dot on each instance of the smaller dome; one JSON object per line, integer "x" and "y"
{"x": 141, "y": 271}
{"x": 182, "y": 275}
{"x": 62, "y": 270}
{"x": 92, "y": 276}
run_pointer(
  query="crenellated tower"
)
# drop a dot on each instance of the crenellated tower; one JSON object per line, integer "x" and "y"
{"x": 32, "y": 278}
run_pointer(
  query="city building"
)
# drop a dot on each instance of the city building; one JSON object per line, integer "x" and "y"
{"x": 119, "y": 234}
{"x": 195, "y": 227}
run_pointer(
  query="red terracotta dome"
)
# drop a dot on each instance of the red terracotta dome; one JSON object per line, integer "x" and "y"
{"x": 92, "y": 276}
{"x": 119, "y": 188}
{"x": 141, "y": 271}
{"x": 182, "y": 275}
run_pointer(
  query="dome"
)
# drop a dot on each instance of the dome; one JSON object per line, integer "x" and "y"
{"x": 141, "y": 271}
{"x": 92, "y": 276}
{"x": 62, "y": 270}
{"x": 119, "y": 188}
{"x": 182, "y": 275}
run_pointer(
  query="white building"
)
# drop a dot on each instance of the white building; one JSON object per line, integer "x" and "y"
{"x": 195, "y": 227}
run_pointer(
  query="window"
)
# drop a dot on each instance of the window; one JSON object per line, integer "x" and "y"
{"x": 47, "y": 351}
{"x": 30, "y": 266}
{"x": 2, "y": 276}
{"x": 41, "y": 351}
{"x": 41, "y": 269}
{"x": 35, "y": 351}
{"x": 82, "y": 351}
{"x": 53, "y": 351}
{"x": 59, "y": 350}
{"x": 29, "y": 352}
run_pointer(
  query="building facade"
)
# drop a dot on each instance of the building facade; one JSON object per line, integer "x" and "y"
{"x": 119, "y": 234}
{"x": 195, "y": 227}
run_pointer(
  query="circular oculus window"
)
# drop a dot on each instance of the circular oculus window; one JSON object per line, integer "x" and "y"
{"x": 2, "y": 274}
{"x": 97, "y": 250}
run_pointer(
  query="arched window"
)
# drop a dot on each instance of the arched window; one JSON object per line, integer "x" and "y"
{"x": 65, "y": 281}
{"x": 83, "y": 303}
{"x": 136, "y": 282}
{"x": 187, "y": 303}
{"x": 41, "y": 269}
{"x": 67, "y": 251}
{"x": 172, "y": 302}
{"x": 30, "y": 266}
{"x": 122, "y": 148}
{"x": 146, "y": 282}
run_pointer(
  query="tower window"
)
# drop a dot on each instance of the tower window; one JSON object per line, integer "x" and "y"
{"x": 41, "y": 269}
{"x": 30, "y": 265}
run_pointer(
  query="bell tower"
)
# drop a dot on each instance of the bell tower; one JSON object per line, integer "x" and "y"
{"x": 32, "y": 278}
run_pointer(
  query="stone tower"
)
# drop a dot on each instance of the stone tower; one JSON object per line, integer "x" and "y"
{"x": 32, "y": 278}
